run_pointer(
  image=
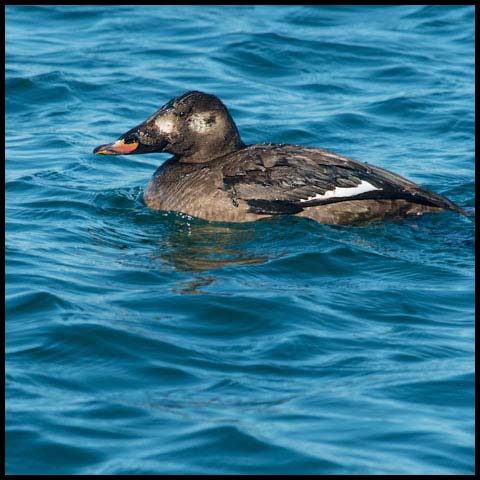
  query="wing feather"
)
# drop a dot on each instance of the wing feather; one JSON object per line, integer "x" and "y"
{"x": 285, "y": 179}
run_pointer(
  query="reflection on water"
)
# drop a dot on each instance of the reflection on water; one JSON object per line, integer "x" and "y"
{"x": 199, "y": 246}
{"x": 193, "y": 287}
{"x": 184, "y": 243}
{"x": 172, "y": 239}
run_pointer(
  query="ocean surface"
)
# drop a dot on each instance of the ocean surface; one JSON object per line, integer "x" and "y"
{"x": 142, "y": 342}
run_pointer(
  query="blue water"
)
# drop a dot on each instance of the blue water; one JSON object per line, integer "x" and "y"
{"x": 142, "y": 342}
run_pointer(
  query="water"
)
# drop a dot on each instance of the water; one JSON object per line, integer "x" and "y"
{"x": 141, "y": 342}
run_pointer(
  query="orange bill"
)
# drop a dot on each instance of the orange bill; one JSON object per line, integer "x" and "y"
{"x": 116, "y": 148}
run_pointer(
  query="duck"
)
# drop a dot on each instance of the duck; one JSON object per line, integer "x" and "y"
{"x": 213, "y": 175}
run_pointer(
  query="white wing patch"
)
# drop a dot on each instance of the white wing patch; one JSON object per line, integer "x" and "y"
{"x": 363, "y": 187}
{"x": 331, "y": 155}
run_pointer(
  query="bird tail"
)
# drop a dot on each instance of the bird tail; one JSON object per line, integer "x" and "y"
{"x": 440, "y": 201}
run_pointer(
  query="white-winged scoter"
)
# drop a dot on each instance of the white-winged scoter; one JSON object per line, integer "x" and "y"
{"x": 215, "y": 176}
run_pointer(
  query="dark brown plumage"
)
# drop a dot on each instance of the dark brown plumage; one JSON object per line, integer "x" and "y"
{"x": 214, "y": 176}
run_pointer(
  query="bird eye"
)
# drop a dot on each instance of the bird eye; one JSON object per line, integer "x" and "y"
{"x": 181, "y": 114}
{"x": 130, "y": 140}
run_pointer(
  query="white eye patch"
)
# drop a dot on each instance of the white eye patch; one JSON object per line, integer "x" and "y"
{"x": 363, "y": 187}
{"x": 201, "y": 122}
